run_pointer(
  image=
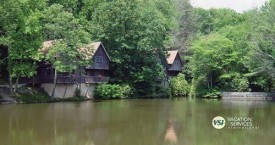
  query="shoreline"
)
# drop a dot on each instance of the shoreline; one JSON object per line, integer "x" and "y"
{"x": 77, "y": 99}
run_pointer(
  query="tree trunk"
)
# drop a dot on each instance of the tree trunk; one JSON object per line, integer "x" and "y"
{"x": 11, "y": 86}
{"x": 54, "y": 84}
{"x": 86, "y": 93}
{"x": 65, "y": 91}
{"x": 33, "y": 81}
{"x": 16, "y": 84}
{"x": 208, "y": 82}
{"x": 269, "y": 85}
{"x": 80, "y": 81}
{"x": 211, "y": 80}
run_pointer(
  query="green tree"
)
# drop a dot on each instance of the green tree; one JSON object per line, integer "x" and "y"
{"x": 131, "y": 30}
{"x": 187, "y": 25}
{"x": 262, "y": 57}
{"x": 68, "y": 35}
{"x": 211, "y": 57}
{"x": 179, "y": 86}
{"x": 21, "y": 30}
{"x": 213, "y": 20}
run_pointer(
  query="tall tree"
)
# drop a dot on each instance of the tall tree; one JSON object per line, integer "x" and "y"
{"x": 262, "y": 58}
{"x": 187, "y": 25}
{"x": 131, "y": 31}
{"x": 67, "y": 35}
{"x": 22, "y": 32}
{"x": 214, "y": 19}
{"x": 212, "y": 60}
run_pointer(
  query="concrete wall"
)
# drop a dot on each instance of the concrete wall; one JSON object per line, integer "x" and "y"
{"x": 87, "y": 90}
{"x": 248, "y": 95}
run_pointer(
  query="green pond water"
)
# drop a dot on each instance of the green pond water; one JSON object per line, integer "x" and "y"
{"x": 135, "y": 122}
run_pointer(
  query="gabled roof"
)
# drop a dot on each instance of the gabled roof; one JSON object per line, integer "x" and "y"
{"x": 94, "y": 46}
{"x": 87, "y": 51}
{"x": 46, "y": 46}
{"x": 171, "y": 56}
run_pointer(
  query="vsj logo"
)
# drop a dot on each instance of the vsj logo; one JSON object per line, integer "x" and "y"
{"x": 218, "y": 122}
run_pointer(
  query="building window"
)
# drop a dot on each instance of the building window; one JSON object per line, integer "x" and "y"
{"x": 177, "y": 62}
{"x": 99, "y": 59}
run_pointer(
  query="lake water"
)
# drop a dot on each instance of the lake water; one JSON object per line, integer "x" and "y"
{"x": 135, "y": 122}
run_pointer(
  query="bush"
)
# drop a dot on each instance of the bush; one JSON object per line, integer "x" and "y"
{"x": 209, "y": 93}
{"x": 34, "y": 98}
{"x": 161, "y": 92}
{"x": 240, "y": 84}
{"x": 179, "y": 86}
{"x": 115, "y": 91}
{"x": 78, "y": 93}
{"x": 234, "y": 82}
{"x": 71, "y": 99}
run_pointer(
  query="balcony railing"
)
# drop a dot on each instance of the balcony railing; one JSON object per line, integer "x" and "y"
{"x": 93, "y": 79}
{"x": 83, "y": 79}
{"x": 66, "y": 79}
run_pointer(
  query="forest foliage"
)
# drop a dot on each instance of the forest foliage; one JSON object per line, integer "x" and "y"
{"x": 223, "y": 50}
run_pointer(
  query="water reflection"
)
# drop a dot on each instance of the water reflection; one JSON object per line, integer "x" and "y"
{"x": 245, "y": 103}
{"x": 134, "y": 122}
{"x": 170, "y": 135}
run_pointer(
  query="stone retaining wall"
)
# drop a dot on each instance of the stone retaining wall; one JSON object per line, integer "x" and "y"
{"x": 249, "y": 95}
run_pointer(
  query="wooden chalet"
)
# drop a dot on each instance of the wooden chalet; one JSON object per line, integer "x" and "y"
{"x": 97, "y": 72}
{"x": 174, "y": 63}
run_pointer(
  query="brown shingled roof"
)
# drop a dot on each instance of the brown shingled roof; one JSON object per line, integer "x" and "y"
{"x": 171, "y": 56}
{"x": 87, "y": 51}
{"x": 46, "y": 46}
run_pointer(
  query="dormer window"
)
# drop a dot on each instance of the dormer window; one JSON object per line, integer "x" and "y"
{"x": 99, "y": 59}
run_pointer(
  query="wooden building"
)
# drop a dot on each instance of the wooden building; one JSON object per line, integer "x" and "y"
{"x": 86, "y": 76}
{"x": 174, "y": 63}
{"x": 97, "y": 72}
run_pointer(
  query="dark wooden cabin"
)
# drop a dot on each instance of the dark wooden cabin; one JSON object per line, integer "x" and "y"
{"x": 97, "y": 72}
{"x": 100, "y": 59}
{"x": 174, "y": 63}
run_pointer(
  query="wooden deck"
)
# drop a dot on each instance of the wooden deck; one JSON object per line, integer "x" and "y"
{"x": 84, "y": 79}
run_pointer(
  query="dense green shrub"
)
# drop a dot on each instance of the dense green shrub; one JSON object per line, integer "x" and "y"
{"x": 209, "y": 93}
{"x": 77, "y": 93}
{"x": 240, "y": 84}
{"x": 112, "y": 91}
{"x": 157, "y": 91}
{"x": 161, "y": 92}
{"x": 179, "y": 86}
{"x": 234, "y": 82}
{"x": 38, "y": 97}
{"x": 44, "y": 98}
{"x": 71, "y": 99}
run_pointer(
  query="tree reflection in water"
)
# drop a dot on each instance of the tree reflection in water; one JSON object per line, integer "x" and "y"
{"x": 134, "y": 122}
